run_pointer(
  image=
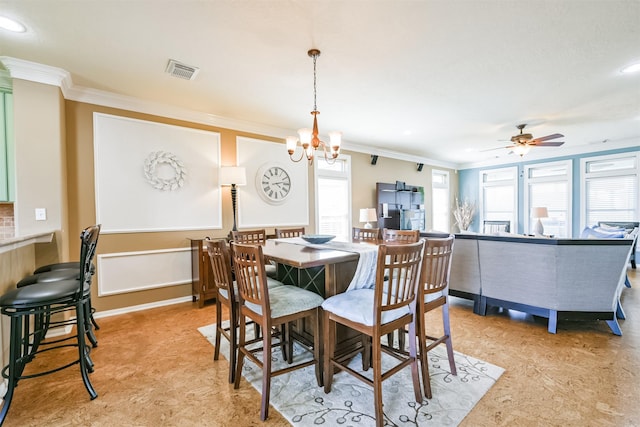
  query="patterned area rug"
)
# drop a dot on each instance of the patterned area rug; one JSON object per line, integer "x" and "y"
{"x": 299, "y": 399}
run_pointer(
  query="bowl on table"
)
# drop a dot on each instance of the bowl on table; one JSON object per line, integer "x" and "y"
{"x": 317, "y": 238}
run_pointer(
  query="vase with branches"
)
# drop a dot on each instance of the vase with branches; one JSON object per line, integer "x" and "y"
{"x": 463, "y": 213}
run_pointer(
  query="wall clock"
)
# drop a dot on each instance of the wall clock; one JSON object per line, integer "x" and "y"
{"x": 273, "y": 183}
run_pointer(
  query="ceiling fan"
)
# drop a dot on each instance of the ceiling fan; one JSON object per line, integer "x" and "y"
{"x": 523, "y": 142}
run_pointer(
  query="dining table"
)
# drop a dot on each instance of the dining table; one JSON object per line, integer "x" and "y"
{"x": 326, "y": 269}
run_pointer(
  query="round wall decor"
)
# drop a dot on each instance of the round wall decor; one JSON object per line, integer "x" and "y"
{"x": 159, "y": 158}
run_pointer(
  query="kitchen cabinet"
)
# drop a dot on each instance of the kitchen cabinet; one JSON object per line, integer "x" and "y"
{"x": 6, "y": 147}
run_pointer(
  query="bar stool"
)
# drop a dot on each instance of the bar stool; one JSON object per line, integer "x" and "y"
{"x": 50, "y": 268}
{"x": 53, "y": 273}
{"x": 29, "y": 305}
{"x": 376, "y": 313}
{"x": 270, "y": 307}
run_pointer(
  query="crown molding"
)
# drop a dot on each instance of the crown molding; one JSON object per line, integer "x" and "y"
{"x": 40, "y": 73}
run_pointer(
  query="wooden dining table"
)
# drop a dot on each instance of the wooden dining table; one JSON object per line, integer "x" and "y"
{"x": 324, "y": 271}
{"x": 328, "y": 271}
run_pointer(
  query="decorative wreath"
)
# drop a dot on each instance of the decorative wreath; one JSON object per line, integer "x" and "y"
{"x": 158, "y": 157}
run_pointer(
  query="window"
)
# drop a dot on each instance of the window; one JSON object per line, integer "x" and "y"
{"x": 333, "y": 197}
{"x": 610, "y": 186}
{"x": 499, "y": 195}
{"x": 440, "y": 203}
{"x": 549, "y": 185}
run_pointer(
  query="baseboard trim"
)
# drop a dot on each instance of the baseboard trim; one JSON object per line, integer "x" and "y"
{"x": 141, "y": 307}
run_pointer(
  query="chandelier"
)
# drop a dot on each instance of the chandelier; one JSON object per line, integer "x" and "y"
{"x": 308, "y": 138}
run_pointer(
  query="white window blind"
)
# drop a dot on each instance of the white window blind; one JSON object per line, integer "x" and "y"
{"x": 549, "y": 185}
{"x": 611, "y": 187}
{"x": 333, "y": 197}
{"x": 499, "y": 195}
{"x": 440, "y": 203}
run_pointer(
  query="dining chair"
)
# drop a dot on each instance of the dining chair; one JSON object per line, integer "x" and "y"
{"x": 227, "y": 290}
{"x": 258, "y": 237}
{"x": 496, "y": 226}
{"x": 270, "y": 307}
{"x": 399, "y": 236}
{"x": 409, "y": 236}
{"x": 365, "y": 234}
{"x": 282, "y": 233}
{"x": 433, "y": 293}
{"x": 255, "y": 237}
{"x": 30, "y": 309}
{"x": 376, "y": 313}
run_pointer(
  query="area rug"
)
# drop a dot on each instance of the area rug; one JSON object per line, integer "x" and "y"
{"x": 299, "y": 399}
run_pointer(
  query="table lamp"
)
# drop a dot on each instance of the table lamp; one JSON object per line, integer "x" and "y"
{"x": 539, "y": 212}
{"x": 367, "y": 215}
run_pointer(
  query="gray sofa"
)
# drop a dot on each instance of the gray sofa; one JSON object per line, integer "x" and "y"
{"x": 552, "y": 278}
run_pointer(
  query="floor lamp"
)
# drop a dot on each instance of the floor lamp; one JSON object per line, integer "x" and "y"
{"x": 233, "y": 176}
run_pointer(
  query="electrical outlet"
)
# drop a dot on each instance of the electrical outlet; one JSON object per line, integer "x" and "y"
{"x": 41, "y": 214}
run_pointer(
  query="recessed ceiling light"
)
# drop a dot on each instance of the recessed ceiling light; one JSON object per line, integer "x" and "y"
{"x": 11, "y": 25}
{"x": 631, "y": 68}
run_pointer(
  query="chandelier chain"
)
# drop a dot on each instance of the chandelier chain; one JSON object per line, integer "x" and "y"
{"x": 315, "y": 106}
{"x": 309, "y": 139}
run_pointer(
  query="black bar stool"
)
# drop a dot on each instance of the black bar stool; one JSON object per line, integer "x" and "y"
{"x": 30, "y": 307}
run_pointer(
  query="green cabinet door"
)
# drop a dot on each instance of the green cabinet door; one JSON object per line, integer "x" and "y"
{"x": 7, "y": 172}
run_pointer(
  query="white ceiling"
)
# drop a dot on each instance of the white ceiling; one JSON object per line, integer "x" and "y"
{"x": 439, "y": 80}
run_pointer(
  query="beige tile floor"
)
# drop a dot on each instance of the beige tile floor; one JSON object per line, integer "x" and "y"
{"x": 153, "y": 368}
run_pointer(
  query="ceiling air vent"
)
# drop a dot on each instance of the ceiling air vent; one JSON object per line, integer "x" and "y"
{"x": 180, "y": 70}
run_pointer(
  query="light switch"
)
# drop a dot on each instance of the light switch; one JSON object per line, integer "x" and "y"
{"x": 41, "y": 214}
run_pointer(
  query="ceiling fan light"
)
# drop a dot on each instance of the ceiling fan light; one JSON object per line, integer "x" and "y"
{"x": 521, "y": 149}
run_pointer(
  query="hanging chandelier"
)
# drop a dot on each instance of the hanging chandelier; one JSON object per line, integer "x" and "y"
{"x": 308, "y": 139}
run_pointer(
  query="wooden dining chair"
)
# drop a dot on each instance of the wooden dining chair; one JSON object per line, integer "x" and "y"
{"x": 376, "y": 313}
{"x": 408, "y": 236}
{"x": 282, "y": 233}
{"x": 270, "y": 307}
{"x": 221, "y": 267}
{"x": 365, "y": 234}
{"x": 433, "y": 293}
{"x": 255, "y": 237}
{"x": 227, "y": 296}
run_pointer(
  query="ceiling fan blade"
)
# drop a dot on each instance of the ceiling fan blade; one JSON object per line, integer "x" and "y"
{"x": 548, "y": 137}
{"x": 497, "y": 148}
{"x": 547, "y": 144}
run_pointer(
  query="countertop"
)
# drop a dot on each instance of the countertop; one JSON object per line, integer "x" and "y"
{"x": 10, "y": 243}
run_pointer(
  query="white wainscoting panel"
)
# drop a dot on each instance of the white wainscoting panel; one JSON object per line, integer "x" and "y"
{"x": 124, "y": 272}
{"x": 132, "y": 160}
{"x": 253, "y": 210}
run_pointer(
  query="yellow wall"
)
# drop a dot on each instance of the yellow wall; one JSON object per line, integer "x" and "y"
{"x": 78, "y": 177}
{"x": 40, "y": 156}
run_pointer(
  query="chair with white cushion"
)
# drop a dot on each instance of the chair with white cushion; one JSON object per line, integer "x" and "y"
{"x": 220, "y": 258}
{"x": 270, "y": 307}
{"x": 375, "y": 313}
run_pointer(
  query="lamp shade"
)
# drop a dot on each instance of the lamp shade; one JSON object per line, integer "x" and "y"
{"x": 229, "y": 175}
{"x": 539, "y": 212}
{"x": 368, "y": 214}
